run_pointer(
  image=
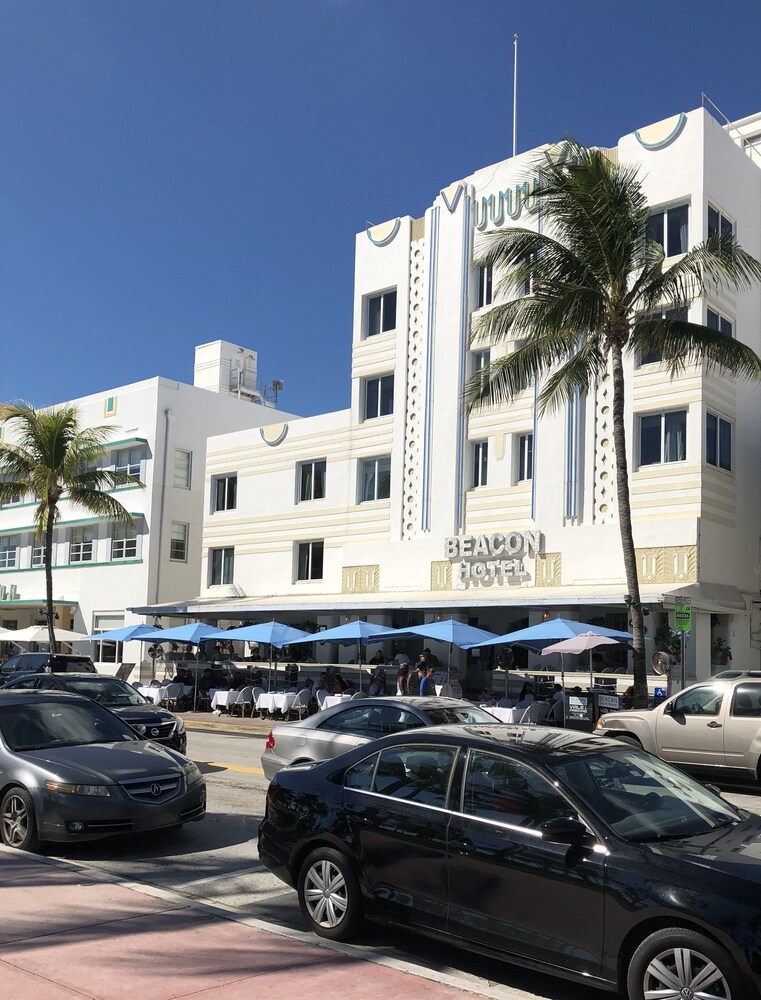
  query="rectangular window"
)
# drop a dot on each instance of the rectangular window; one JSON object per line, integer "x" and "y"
{"x": 183, "y": 468}
{"x": 178, "y": 542}
{"x": 38, "y": 556}
{"x": 128, "y": 461}
{"x": 655, "y": 357}
{"x": 309, "y": 556}
{"x": 718, "y": 223}
{"x": 80, "y": 545}
{"x": 715, "y": 321}
{"x": 485, "y": 284}
{"x": 525, "y": 457}
{"x": 107, "y": 652}
{"x": 718, "y": 442}
{"x": 375, "y": 479}
{"x": 381, "y": 313}
{"x": 221, "y": 566}
{"x": 663, "y": 437}
{"x": 9, "y": 551}
{"x": 224, "y": 492}
{"x": 311, "y": 480}
{"x": 670, "y": 228}
{"x": 480, "y": 463}
{"x": 379, "y": 397}
{"x": 124, "y": 542}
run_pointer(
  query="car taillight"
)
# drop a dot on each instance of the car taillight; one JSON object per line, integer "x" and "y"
{"x": 270, "y": 744}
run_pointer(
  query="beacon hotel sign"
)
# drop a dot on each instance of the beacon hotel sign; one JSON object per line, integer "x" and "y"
{"x": 502, "y": 560}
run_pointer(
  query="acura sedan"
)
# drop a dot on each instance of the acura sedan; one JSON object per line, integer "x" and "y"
{"x": 71, "y": 770}
{"x": 148, "y": 720}
{"x": 352, "y": 723}
{"x": 567, "y": 853}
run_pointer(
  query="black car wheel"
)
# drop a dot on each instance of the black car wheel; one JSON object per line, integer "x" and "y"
{"x": 329, "y": 894}
{"x": 677, "y": 963}
{"x": 18, "y": 826}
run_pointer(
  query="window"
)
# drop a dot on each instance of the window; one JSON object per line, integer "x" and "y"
{"x": 221, "y": 566}
{"x": 746, "y": 703}
{"x": 178, "y": 542}
{"x": 415, "y": 774}
{"x": 506, "y": 791}
{"x": 485, "y": 284}
{"x": 525, "y": 462}
{"x": 224, "y": 492}
{"x": 669, "y": 227}
{"x": 107, "y": 652}
{"x": 480, "y": 463}
{"x": 718, "y": 442}
{"x": 183, "y": 468}
{"x": 309, "y": 560}
{"x": 361, "y": 775}
{"x": 718, "y": 223}
{"x": 38, "y": 555}
{"x": 699, "y": 701}
{"x": 311, "y": 480}
{"x": 479, "y": 362}
{"x": 128, "y": 461}
{"x": 124, "y": 542}
{"x": 381, "y": 313}
{"x": 655, "y": 357}
{"x": 353, "y": 721}
{"x": 663, "y": 437}
{"x": 717, "y": 322}
{"x": 375, "y": 479}
{"x": 379, "y": 396}
{"x": 81, "y": 545}
{"x": 9, "y": 551}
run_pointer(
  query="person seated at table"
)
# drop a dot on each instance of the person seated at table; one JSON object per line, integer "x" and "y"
{"x": 321, "y": 684}
{"x": 376, "y": 658}
{"x": 237, "y": 679}
{"x": 339, "y": 685}
{"x": 206, "y": 682}
{"x": 180, "y": 677}
{"x": 526, "y": 697}
{"x": 378, "y": 686}
{"x": 431, "y": 658}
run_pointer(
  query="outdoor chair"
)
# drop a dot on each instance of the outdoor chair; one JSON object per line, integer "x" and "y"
{"x": 170, "y": 695}
{"x": 532, "y": 714}
{"x": 243, "y": 697}
{"x": 322, "y": 694}
{"x": 255, "y": 698}
{"x": 504, "y": 703}
{"x": 301, "y": 704}
{"x": 358, "y": 694}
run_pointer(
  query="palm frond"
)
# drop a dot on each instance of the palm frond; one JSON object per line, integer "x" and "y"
{"x": 100, "y": 504}
{"x": 682, "y": 344}
{"x": 103, "y": 479}
{"x": 582, "y": 372}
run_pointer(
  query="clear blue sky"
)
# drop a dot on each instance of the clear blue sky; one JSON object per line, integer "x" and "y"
{"x": 179, "y": 171}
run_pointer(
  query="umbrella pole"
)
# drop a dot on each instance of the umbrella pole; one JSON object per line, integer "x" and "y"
{"x": 591, "y": 678}
{"x": 359, "y": 662}
{"x": 449, "y": 662}
{"x": 195, "y": 685}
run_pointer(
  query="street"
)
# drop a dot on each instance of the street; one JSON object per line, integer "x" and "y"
{"x": 216, "y": 861}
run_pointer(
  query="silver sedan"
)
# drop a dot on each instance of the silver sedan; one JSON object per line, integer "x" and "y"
{"x": 343, "y": 727}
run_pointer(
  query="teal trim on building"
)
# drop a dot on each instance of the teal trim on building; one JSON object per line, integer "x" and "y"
{"x": 135, "y": 515}
{"x": 126, "y": 443}
{"x": 78, "y": 565}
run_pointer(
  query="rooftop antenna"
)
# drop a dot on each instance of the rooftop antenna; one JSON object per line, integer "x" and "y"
{"x": 515, "y": 94}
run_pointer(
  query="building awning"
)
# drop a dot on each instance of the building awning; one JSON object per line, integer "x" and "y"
{"x": 718, "y": 598}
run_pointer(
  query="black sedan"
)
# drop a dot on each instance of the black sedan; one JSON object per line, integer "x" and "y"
{"x": 148, "y": 720}
{"x": 567, "y": 853}
{"x": 71, "y": 770}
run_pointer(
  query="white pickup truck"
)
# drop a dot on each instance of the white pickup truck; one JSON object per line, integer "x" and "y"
{"x": 714, "y": 725}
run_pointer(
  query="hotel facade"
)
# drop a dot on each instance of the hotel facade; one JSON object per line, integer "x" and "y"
{"x": 404, "y": 508}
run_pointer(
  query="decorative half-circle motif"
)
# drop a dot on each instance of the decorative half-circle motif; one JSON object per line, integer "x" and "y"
{"x": 382, "y": 234}
{"x": 661, "y": 134}
{"x": 274, "y": 434}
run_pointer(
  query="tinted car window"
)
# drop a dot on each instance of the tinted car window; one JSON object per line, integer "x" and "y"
{"x": 352, "y": 720}
{"x": 77, "y": 664}
{"x": 361, "y": 775}
{"x": 25, "y": 661}
{"x": 47, "y": 724}
{"x": 459, "y": 714}
{"x": 108, "y": 691}
{"x": 27, "y": 684}
{"x": 497, "y": 788}
{"x": 699, "y": 701}
{"x": 387, "y": 719}
{"x": 416, "y": 774}
{"x": 746, "y": 702}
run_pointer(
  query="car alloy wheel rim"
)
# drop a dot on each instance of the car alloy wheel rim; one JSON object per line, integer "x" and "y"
{"x": 15, "y": 821}
{"x": 325, "y": 894}
{"x": 683, "y": 974}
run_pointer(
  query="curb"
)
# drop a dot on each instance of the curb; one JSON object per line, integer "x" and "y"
{"x": 224, "y": 727}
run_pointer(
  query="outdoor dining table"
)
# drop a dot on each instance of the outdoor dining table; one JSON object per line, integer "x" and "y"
{"x": 276, "y": 701}
{"x": 504, "y": 714}
{"x": 335, "y": 699}
{"x": 157, "y": 694}
{"x": 220, "y": 698}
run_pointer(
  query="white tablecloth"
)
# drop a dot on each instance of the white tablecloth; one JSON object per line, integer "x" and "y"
{"x": 221, "y": 698}
{"x": 276, "y": 701}
{"x": 157, "y": 694}
{"x": 505, "y": 714}
{"x": 335, "y": 699}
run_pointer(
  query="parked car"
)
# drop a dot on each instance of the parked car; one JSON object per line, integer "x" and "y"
{"x": 149, "y": 721}
{"x": 44, "y": 663}
{"x": 712, "y": 726}
{"x": 71, "y": 770}
{"x": 569, "y": 854}
{"x": 353, "y": 723}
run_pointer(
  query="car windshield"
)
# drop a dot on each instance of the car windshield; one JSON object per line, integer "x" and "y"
{"x": 108, "y": 691}
{"x": 459, "y": 714}
{"x": 44, "y": 724}
{"x": 642, "y": 798}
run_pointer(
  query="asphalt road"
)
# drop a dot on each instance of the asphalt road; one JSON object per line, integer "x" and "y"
{"x": 217, "y": 861}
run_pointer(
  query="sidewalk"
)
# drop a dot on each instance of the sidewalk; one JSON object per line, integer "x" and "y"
{"x": 68, "y": 935}
{"x": 228, "y": 723}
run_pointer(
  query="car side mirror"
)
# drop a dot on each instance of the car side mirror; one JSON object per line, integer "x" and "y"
{"x": 668, "y": 709}
{"x": 563, "y": 830}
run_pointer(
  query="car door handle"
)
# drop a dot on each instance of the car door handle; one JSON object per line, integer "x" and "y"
{"x": 714, "y": 725}
{"x": 465, "y": 846}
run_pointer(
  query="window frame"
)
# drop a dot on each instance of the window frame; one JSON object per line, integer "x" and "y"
{"x": 721, "y": 324}
{"x": 718, "y": 450}
{"x": 81, "y": 545}
{"x": 99, "y": 644}
{"x": 480, "y": 460}
{"x": 226, "y": 565}
{"x": 663, "y": 414}
{"x": 229, "y": 483}
{"x": 376, "y": 478}
{"x": 664, "y": 212}
{"x": 126, "y": 545}
{"x": 310, "y": 543}
{"x": 379, "y": 381}
{"x": 718, "y": 689}
{"x": 524, "y": 457}
{"x": 384, "y": 308}
{"x": 129, "y": 468}
{"x": 185, "y": 542}
{"x": 485, "y": 295}
{"x": 723, "y": 221}
{"x": 301, "y": 468}
{"x": 9, "y": 552}
{"x": 672, "y": 313}
{"x": 188, "y": 479}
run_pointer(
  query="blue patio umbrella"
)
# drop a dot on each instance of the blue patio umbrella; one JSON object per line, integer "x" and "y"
{"x": 451, "y": 631}
{"x": 356, "y": 631}
{"x": 127, "y": 633}
{"x": 536, "y": 637}
{"x": 193, "y": 635}
{"x": 273, "y": 633}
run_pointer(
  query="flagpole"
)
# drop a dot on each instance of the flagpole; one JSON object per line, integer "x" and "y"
{"x": 515, "y": 94}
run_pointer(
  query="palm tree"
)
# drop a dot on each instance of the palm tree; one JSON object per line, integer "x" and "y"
{"x": 597, "y": 281}
{"x": 54, "y": 458}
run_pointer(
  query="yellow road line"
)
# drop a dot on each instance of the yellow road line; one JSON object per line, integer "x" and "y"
{"x": 231, "y": 767}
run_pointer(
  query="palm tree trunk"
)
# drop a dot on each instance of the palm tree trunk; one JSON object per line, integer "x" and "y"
{"x": 49, "y": 612}
{"x": 625, "y": 526}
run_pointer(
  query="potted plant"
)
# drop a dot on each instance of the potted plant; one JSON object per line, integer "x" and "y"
{"x": 668, "y": 640}
{"x": 720, "y": 651}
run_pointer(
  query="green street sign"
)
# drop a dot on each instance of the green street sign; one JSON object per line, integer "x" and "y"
{"x": 683, "y": 614}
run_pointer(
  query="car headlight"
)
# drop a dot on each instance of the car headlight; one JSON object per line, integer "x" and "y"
{"x": 64, "y": 788}
{"x": 180, "y": 725}
{"x": 192, "y": 774}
